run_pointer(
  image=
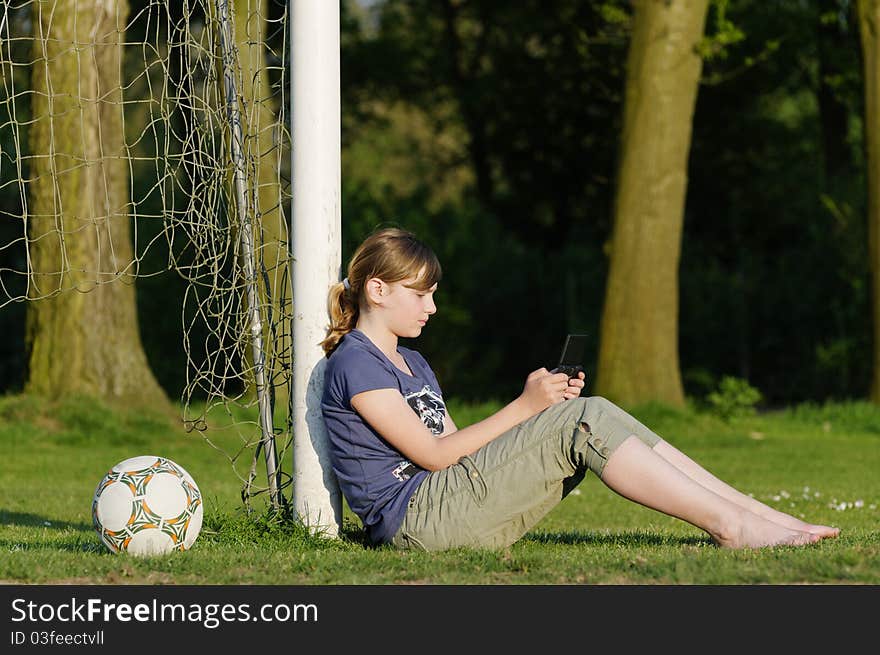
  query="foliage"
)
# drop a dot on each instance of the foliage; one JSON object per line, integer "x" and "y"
{"x": 724, "y": 33}
{"x": 770, "y": 275}
{"x": 734, "y": 397}
{"x": 773, "y": 277}
{"x": 506, "y": 164}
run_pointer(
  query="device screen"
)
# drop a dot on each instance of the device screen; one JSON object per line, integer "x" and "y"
{"x": 573, "y": 350}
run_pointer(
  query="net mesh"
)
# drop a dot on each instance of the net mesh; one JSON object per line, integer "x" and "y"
{"x": 119, "y": 159}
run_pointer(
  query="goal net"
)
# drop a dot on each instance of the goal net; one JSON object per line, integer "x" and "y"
{"x": 141, "y": 139}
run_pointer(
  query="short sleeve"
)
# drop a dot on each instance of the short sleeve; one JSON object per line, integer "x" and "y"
{"x": 356, "y": 371}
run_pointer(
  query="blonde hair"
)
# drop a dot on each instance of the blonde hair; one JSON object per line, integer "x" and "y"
{"x": 390, "y": 254}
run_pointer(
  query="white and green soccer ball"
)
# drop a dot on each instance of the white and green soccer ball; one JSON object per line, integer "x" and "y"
{"x": 147, "y": 505}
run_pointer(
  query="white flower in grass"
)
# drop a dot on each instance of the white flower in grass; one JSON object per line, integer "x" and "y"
{"x": 784, "y": 494}
{"x": 847, "y": 504}
{"x": 777, "y": 497}
{"x": 576, "y": 492}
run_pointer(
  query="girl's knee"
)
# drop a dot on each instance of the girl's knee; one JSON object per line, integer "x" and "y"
{"x": 600, "y": 402}
{"x": 604, "y": 416}
{"x": 581, "y": 408}
{"x": 597, "y": 405}
{"x": 577, "y": 408}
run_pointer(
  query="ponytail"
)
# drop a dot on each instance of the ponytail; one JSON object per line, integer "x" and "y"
{"x": 343, "y": 311}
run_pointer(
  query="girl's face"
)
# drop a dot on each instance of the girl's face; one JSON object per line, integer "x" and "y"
{"x": 405, "y": 309}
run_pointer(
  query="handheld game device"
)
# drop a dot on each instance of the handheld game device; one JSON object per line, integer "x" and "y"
{"x": 571, "y": 359}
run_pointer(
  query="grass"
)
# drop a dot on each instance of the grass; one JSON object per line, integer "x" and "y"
{"x": 820, "y": 462}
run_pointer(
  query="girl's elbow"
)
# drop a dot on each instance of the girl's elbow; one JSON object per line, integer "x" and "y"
{"x": 436, "y": 463}
{"x": 437, "y": 456}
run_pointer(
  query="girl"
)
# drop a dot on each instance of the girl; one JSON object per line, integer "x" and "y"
{"x": 416, "y": 480}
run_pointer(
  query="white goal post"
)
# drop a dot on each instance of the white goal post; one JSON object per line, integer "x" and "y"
{"x": 315, "y": 235}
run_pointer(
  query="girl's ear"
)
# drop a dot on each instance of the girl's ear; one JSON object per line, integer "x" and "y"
{"x": 375, "y": 289}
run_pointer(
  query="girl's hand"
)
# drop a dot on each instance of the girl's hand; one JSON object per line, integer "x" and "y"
{"x": 575, "y": 386}
{"x": 543, "y": 389}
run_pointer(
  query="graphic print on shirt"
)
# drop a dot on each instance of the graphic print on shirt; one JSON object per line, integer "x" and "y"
{"x": 429, "y": 407}
{"x": 405, "y": 470}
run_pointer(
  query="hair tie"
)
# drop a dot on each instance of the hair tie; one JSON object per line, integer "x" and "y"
{"x": 346, "y": 284}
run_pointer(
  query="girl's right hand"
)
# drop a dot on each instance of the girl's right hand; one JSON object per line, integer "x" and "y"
{"x": 543, "y": 389}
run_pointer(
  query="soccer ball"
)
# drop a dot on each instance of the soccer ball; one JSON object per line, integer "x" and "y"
{"x": 147, "y": 505}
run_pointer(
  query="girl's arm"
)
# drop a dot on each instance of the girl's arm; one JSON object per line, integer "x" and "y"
{"x": 449, "y": 426}
{"x": 576, "y": 385}
{"x": 390, "y": 415}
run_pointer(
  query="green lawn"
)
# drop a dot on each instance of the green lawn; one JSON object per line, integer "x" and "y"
{"x": 822, "y": 463}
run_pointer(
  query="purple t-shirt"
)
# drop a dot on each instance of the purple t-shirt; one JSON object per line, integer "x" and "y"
{"x": 376, "y": 478}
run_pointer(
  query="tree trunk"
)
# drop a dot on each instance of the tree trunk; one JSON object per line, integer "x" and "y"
{"x": 259, "y": 108}
{"x": 638, "y": 354}
{"x": 82, "y": 328}
{"x": 869, "y": 23}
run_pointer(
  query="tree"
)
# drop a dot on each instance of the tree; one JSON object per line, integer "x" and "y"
{"x": 259, "y": 107}
{"x": 82, "y": 329}
{"x": 869, "y": 23}
{"x": 638, "y": 352}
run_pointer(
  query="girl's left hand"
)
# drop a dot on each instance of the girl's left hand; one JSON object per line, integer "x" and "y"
{"x": 575, "y": 386}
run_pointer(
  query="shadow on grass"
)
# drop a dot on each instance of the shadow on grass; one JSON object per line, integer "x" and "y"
{"x": 356, "y": 535}
{"x": 95, "y": 547}
{"x": 614, "y": 539}
{"x": 35, "y": 520}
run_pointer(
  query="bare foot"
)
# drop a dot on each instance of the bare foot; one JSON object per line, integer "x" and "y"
{"x": 792, "y": 523}
{"x": 823, "y": 531}
{"x": 753, "y": 531}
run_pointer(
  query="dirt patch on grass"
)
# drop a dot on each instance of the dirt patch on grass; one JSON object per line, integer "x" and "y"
{"x": 62, "y": 581}
{"x": 48, "y": 424}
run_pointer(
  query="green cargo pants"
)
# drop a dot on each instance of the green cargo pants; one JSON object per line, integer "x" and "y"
{"x": 494, "y": 496}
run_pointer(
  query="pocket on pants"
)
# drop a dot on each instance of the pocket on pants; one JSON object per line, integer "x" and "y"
{"x": 475, "y": 482}
{"x": 406, "y": 541}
